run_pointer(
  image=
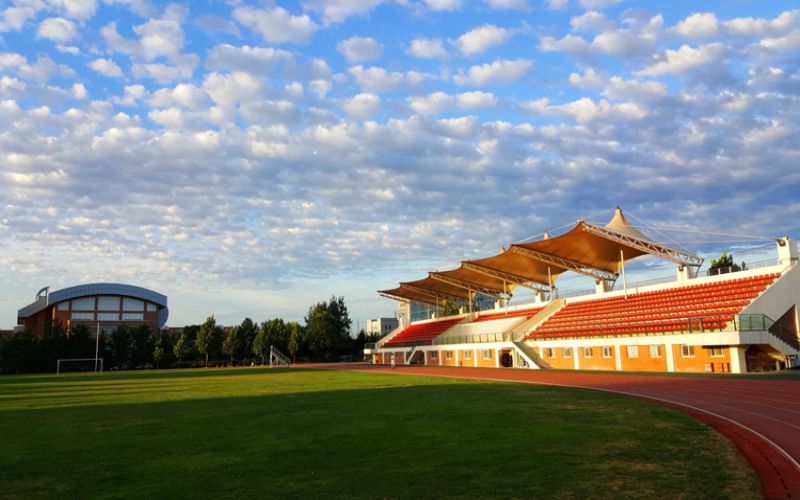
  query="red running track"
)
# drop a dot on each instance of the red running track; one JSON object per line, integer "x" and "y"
{"x": 761, "y": 416}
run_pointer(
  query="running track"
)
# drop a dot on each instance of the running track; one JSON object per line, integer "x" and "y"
{"x": 761, "y": 416}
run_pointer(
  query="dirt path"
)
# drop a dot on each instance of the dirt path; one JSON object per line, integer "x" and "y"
{"x": 762, "y": 417}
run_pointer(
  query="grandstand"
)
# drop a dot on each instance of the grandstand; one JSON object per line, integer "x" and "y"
{"x": 737, "y": 321}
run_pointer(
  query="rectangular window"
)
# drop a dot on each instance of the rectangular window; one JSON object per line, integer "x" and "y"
{"x": 107, "y": 316}
{"x": 687, "y": 351}
{"x": 82, "y": 316}
{"x": 63, "y": 306}
{"x": 151, "y": 307}
{"x": 105, "y": 303}
{"x": 133, "y": 316}
{"x": 716, "y": 352}
{"x": 548, "y": 353}
{"x": 633, "y": 351}
{"x": 486, "y": 354}
{"x": 588, "y": 352}
{"x": 467, "y": 354}
{"x": 449, "y": 355}
{"x": 607, "y": 354}
{"x": 129, "y": 304}
{"x": 434, "y": 355}
{"x": 654, "y": 351}
{"x": 84, "y": 304}
{"x": 566, "y": 352}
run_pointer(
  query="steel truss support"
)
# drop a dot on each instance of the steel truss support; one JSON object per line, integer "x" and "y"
{"x": 511, "y": 278}
{"x": 572, "y": 265}
{"x": 434, "y": 295}
{"x": 670, "y": 254}
{"x": 467, "y": 285}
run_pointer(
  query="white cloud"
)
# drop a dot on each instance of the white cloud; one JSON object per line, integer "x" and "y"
{"x": 556, "y": 4}
{"x": 685, "y": 58}
{"x": 476, "y": 99}
{"x": 165, "y": 73}
{"x": 78, "y": 9}
{"x": 432, "y": 104}
{"x": 598, "y": 4}
{"x": 570, "y": 43}
{"x": 698, "y": 25}
{"x": 443, "y": 4}
{"x": 336, "y": 11}
{"x": 375, "y": 79}
{"x": 619, "y": 89}
{"x": 276, "y": 24}
{"x": 628, "y": 42}
{"x": 478, "y": 40}
{"x": 500, "y": 71}
{"x": 106, "y": 67}
{"x": 428, "y": 48}
{"x": 232, "y": 88}
{"x": 57, "y": 29}
{"x": 14, "y": 18}
{"x": 586, "y": 110}
{"x": 508, "y": 4}
{"x": 750, "y": 26}
{"x": 160, "y": 37}
{"x": 591, "y": 21}
{"x": 362, "y": 106}
{"x": 359, "y": 49}
{"x": 78, "y": 91}
{"x": 248, "y": 59}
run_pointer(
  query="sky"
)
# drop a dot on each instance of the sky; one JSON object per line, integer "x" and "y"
{"x": 252, "y": 158}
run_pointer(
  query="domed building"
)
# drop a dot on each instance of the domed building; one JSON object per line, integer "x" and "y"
{"x": 103, "y": 305}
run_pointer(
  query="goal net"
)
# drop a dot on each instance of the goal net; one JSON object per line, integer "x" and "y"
{"x": 79, "y": 365}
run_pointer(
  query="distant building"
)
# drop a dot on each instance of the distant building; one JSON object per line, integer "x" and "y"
{"x": 107, "y": 305}
{"x": 381, "y": 326}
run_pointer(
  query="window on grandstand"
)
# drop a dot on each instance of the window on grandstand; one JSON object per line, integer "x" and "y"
{"x": 633, "y": 351}
{"x": 548, "y": 353}
{"x": 107, "y": 303}
{"x": 588, "y": 352}
{"x": 132, "y": 316}
{"x": 82, "y": 316}
{"x": 449, "y": 355}
{"x": 63, "y": 306}
{"x": 566, "y": 352}
{"x": 107, "y": 316}
{"x": 687, "y": 351}
{"x": 129, "y": 304}
{"x": 467, "y": 354}
{"x": 83, "y": 304}
{"x": 486, "y": 354}
{"x": 151, "y": 307}
{"x": 434, "y": 355}
{"x": 654, "y": 351}
{"x": 607, "y": 354}
{"x": 716, "y": 352}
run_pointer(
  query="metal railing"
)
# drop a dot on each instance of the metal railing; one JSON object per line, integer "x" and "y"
{"x": 762, "y": 322}
{"x": 479, "y": 338}
{"x": 747, "y": 266}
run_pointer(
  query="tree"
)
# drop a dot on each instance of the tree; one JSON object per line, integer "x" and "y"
{"x": 232, "y": 345}
{"x": 321, "y": 332}
{"x": 142, "y": 345}
{"x": 182, "y": 347}
{"x": 274, "y": 332}
{"x": 725, "y": 264}
{"x": 297, "y": 344}
{"x": 208, "y": 338}
{"x": 121, "y": 346}
{"x": 248, "y": 330}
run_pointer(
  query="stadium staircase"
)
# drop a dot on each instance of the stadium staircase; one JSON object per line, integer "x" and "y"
{"x": 705, "y": 307}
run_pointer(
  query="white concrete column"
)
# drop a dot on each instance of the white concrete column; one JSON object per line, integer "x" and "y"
{"x": 475, "y": 357}
{"x": 738, "y": 359}
{"x": 456, "y": 357}
{"x": 439, "y": 355}
{"x": 670, "y": 358}
{"x": 618, "y": 357}
{"x": 576, "y": 361}
{"x": 497, "y": 358}
{"x": 683, "y": 275}
{"x": 600, "y": 286}
{"x": 787, "y": 251}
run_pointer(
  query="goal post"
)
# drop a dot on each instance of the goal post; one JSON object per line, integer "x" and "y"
{"x": 81, "y": 365}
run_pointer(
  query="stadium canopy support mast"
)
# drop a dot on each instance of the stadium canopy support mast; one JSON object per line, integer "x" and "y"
{"x": 572, "y": 265}
{"x": 511, "y": 278}
{"x": 670, "y": 254}
{"x": 470, "y": 287}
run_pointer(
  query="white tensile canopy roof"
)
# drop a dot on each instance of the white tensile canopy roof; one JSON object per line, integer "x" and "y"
{"x": 595, "y": 251}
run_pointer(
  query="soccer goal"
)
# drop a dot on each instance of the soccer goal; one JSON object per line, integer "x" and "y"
{"x": 79, "y": 365}
{"x": 277, "y": 358}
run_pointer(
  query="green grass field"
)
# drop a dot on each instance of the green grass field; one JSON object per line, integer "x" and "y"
{"x": 331, "y": 434}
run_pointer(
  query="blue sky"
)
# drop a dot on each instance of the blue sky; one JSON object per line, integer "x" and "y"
{"x": 250, "y": 158}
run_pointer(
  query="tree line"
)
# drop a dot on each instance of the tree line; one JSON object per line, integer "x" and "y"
{"x": 325, "y": 336}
